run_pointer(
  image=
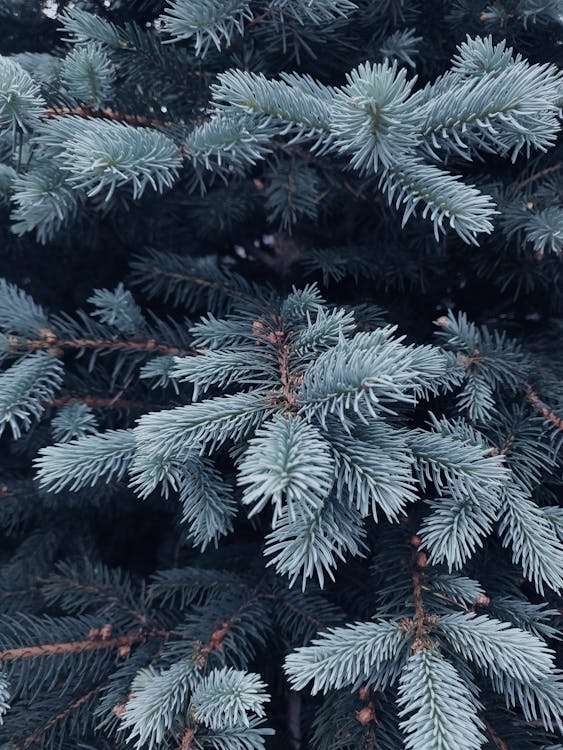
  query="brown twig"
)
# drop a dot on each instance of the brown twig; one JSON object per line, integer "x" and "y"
{"x": 50, "y": 342}
{"x": 419, "y": 563}
{"x": 367, "y": 717}
{"x": 109, "y": 598}
{"x": 541, "y": 408}
{"x": 494, "y": 736}
{"x": 504, "y": 447}
{"x": 74, "y": 647}
{"x": 289, "y": 380}
{"x": 258, "y": 19}
{"x": 37, "y": 736}
{"x": 156, "y": 271}
{"x": 421, "y": 619}
{"x": 103, "y": 403}
{"x": 305, "y": 615}
{"x": 217, "y": 638}
{"x": 108, "y": 114}
{"x": 539, "y": 175}
{"x": 448, "y": 599}
{"x": 187, "y": 740}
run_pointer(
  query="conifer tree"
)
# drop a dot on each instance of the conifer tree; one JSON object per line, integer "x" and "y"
{"x": 281, "y": 411}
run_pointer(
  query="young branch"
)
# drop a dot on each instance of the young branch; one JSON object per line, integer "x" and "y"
{"x": 198, "y": 281}
{"x": 37, "y": 736}
{"x": 103, "y": 403}
{"x": 51, "y": 343}
{"x": 74, "y": 647}
{"x": 289, "y": 380}
{"x": 108, "y": 114}
{"x": 539, "y": 175}
{"x": 494, "y": 736}
{"x": 538, "y": 406}
{"x": 419, "y": 563}
{"x": 188, "y": 739}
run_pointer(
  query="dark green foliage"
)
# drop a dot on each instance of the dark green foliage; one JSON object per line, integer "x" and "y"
{"x": 324, "y": 510}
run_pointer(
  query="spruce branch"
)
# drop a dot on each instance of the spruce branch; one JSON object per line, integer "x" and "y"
{"x": 501, "y": 745}
{"x": 85, "y": 461}
{"x": 97, "y": 402}
{"x": 541, "y": 408}
{"x": 535, "y": 176}
{"x": 21, "y": 103}
{"x": 109, "y": 113}
{"x": 24, "y": 389}
{"x": 209, "y": 21}
{"x": 227, "y": 697}
{"x": 50, "y": 342}
{"x": 419, "y": 563}
{"x": 37, "y": 737}
{"x": 437, "y": 707}
{"x": 75, "y": 647}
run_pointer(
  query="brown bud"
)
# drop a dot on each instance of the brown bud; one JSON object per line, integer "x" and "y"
{"x": 124, "y": 651}
{"x": 119, "y": 710}
{"x": 416, "y": 541}
{"x": 47, "y": 335}
{"x": 105, "y": 632}
{"x": 443, "y": 321}
{"x": 421, "y": 560}
{"x": 366, "y": 715}
{"x": 258, "y": 329}
{"x": 364, "y": 693}
{"x": 483, "y": 600}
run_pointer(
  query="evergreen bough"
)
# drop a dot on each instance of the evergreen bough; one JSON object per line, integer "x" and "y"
{"x": 295, "y": 518}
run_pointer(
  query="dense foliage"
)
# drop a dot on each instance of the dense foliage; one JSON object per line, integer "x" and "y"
{"x": 323, "y": 510}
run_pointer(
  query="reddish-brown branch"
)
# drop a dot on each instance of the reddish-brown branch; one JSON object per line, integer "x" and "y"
{"x": 367, "y": 717}
{"x": 187, "y": 740}
{"x": 494, "y": 736}
{"x": 539, "y": 175}
{"x": 474, "y": 358}
{"x": 55, "y": 345}
{"x": 74, "y": 647}
{"x": 421, "y": 619}
{"x": 289, "y": 380}
{"x": 217, "y": 638}
{"x": 506, "y": 443}
{"x": 448, "y": 599}
{"x": 418, "y": 607}
{"x": 541, "y": 408}
{"x": 109, "y": 598}
{"x": 305, "y": 615}
{"x": 504, "y": 447}
{"x": 258, "y": 19}
{"x": 37, "y": 736}
{"x": 156, "y": 271}
{"x": 103, "y": 403}
{"x": 108, "y": 114}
